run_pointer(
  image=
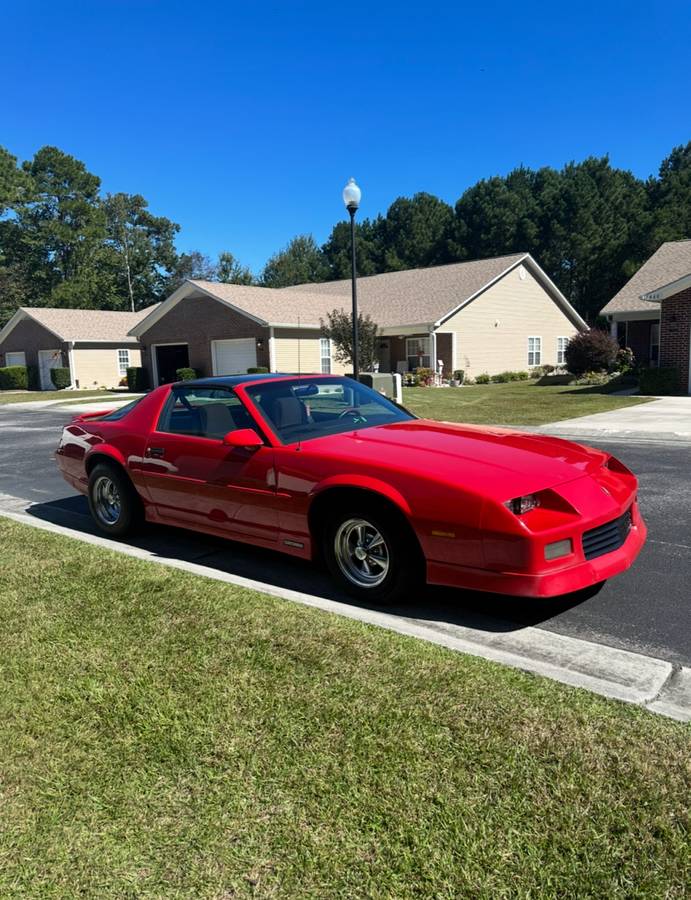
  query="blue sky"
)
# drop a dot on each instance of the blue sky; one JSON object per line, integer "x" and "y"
{"x": 243, "y": 121}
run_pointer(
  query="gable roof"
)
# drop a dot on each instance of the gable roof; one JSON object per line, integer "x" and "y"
{"x": 670, "y": 262}
{"x": 414, "y": 297}
{"x": 80, "y": 325}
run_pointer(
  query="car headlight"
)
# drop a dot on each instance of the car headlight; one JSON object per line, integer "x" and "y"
{"x": 519, "y": 506}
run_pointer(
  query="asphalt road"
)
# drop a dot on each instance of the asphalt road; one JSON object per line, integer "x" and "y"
{"x": 646, "y": 610}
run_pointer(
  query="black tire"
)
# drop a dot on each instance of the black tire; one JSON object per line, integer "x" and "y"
{"x": 124, "y": 513}
{"x": 404, "y": 570}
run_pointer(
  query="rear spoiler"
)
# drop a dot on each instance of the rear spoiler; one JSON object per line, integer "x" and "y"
{"x": 82, "y": 417}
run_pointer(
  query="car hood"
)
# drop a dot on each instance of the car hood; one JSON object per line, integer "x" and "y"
{"x": 504, "y": 462}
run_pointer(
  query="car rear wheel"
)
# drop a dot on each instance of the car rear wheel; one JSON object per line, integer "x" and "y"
{"x": 372, "y": 555}
{"x": 113, "y": 501}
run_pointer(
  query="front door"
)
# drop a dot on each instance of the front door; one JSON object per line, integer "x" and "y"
{"x": 170, "y": 358}
{"x": 196, "y": 481}
{"x": 48, "y": 360}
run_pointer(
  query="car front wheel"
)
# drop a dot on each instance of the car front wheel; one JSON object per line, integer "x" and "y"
{"x": 372, "y": 555}
{"x": 113, "y": 501}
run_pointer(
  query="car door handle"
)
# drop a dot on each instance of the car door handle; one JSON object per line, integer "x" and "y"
{"x": 156, "y": 452}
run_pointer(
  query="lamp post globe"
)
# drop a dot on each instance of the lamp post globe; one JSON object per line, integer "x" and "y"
{"x": 351, "y": 197}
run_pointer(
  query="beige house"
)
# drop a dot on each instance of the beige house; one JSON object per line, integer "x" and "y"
{"x": 480, "y": 316}
{"x": 93, "y": 344}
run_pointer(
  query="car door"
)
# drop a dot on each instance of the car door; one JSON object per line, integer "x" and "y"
{"x": 196, "y": 481}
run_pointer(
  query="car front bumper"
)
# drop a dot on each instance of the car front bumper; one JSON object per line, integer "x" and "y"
{"x": 575, "y": 576}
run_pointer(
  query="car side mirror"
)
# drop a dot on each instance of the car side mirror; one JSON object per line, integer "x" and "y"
{"x": 243, "y": 437}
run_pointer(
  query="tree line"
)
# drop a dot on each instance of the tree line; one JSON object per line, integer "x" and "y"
{"x": 589, "y": 225}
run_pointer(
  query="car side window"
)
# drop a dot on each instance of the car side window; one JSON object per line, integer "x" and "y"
{"x": 203, "y": 412}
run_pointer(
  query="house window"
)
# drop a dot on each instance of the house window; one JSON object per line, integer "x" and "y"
{"x": 17, "y": 358}
{"x": 534, "y": 351}
{"x": 417, "y": 352}
{"x": 561, "y": 350}
{"x": 123, "y": 361}
{"x": 325, "y": 354}
{"x": 655, "y": 344}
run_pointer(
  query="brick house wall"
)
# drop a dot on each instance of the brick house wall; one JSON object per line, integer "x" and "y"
{"x": 196, "y": 321}
{"x": 31, "y": 337}
{"x": 675, "y": 335}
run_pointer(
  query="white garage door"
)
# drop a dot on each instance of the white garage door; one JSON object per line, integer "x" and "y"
{"x": 233, "y": 357}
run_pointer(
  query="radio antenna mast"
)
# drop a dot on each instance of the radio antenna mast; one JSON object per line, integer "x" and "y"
{"x": 299, "y": 358}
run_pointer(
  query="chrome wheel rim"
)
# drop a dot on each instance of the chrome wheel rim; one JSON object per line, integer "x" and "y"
{"x": 107, "y": 500}
{"x": 362, "y": 553}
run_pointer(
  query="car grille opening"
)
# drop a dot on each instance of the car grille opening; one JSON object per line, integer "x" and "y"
{"x": 608, "y": 537}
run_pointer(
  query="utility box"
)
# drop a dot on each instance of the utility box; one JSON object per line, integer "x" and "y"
{"x": 386, "y": 383}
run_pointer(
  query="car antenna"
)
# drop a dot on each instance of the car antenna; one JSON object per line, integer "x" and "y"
{"x": 299, "y": 373}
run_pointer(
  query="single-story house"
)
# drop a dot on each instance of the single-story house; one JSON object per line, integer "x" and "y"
{"x": 651, "y": 314}
{"x": 481, "y": 316}
{"x": 94, "y": 344}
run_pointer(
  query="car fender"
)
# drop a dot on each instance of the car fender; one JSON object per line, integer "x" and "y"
{"x": 106, "y": 450}
{"x": 366, "y": 483}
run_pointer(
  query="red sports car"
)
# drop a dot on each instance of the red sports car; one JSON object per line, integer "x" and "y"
{"x": 318, "y": 465}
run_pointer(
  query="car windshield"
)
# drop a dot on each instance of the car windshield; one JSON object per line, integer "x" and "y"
{"x": 302, "y": 410}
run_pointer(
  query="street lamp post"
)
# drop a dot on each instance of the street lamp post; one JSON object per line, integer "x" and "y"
{"x": 351, "y": 198}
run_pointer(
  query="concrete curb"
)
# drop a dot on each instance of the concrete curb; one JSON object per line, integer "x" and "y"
{"x": 619, "y": 674}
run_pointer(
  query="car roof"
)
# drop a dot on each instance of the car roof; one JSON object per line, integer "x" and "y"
{"x": 234, "y": 380}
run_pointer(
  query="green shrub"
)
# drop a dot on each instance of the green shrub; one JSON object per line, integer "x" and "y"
{"x": 14, "y": 378}
{"x": 137, "y": 379}
{"x": 257, "y": 370}
{"x": 522, "y": 376}
{"x": 591, "y": 351}
{"x": 33, "y": 378}
{"x": 505, "y": 377}
{"x": 659, "y": 381}
{"x": 60, "y": 378}
{"x": 186, "y": 374}
{"x": 424, "y": 375}
{"x": 625, "y": 360}
{"x": 483, "y": 378}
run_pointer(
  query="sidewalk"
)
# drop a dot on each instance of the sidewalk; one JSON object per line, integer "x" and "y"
{"x": 88, "y": 404}
{"x": 664, "y": 419}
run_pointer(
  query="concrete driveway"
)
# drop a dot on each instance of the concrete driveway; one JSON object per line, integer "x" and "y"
{"x": 664, "y": 419}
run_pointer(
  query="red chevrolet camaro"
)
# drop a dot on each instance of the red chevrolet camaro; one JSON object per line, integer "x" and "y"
{"x": 319, "y": 465}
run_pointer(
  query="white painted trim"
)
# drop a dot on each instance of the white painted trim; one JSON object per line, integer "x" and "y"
{"x": 406, "y": 330}
{"x": 533, "y": 337}
{"x": 454, "y": 352}
{"x": 538, "y": 273}
{"x": 653, "y": 312}
{"x": 294, "y": 325}
{"x": 71, "y": 364}
{"x": 668, "y": 290}
{"x": 272, "y": 350}
{"x": 154, "y": 361}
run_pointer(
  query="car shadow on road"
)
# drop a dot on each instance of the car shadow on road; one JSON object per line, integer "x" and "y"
{"x": 470, "y": 609}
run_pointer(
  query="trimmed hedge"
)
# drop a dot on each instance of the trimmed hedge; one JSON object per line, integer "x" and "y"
{"x": 186, "y": 374}
{"x": 257, "y": 370}
{"x": 659, "y": 381}
{"x": 137, "y": 380}
{"x": 33, "y": 378}
{"x": 14, "y": 378}
{"x": 60, "y": 378}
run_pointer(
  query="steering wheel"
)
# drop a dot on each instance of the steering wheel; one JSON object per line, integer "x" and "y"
{"x": 352, "y": 411}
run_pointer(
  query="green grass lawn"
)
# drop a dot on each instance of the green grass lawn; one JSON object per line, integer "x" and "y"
{"x": 29, "y": 396}
{"x": 516, "y": 403}
{"x": 162, "y": 735}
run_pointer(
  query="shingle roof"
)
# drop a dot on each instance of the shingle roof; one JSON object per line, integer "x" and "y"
{"x": 670, "y": 261}
{"x": 411, "y": 297}
{"x": 87, "y": 324}
{"x": 414, "y": 296}
{"x": 272, "y": 306}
